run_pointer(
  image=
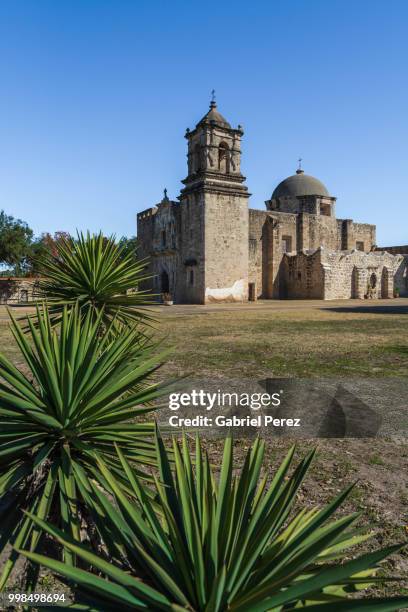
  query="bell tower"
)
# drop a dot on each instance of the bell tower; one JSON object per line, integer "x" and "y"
{"x": 214, "y": 213}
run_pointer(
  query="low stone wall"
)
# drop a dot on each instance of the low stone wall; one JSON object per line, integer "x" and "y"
{"x": 302, "y": 276}
{"x": 394, "y": 250}
{"x": 322, "y": 274}
{"x": 18, "y": 290}
{"x": 401, "y": 277}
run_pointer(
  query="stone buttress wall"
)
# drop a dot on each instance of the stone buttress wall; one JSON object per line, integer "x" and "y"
{"x": 226, "y": 247}
{"x": 192, "y": 259}
{"x": 256, "y": 244}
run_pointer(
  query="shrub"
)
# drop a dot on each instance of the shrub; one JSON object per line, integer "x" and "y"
{"x": 97, "y": 273}
{"x": 79, "y": 399}
{"x": 208, "y": 546}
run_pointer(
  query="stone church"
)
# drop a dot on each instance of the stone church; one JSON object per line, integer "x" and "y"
{"x": 209, "y": 246}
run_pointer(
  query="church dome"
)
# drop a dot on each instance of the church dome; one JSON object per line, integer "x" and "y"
{"x": 300, "y": 184}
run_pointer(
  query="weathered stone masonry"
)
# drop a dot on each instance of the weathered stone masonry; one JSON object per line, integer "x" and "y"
{"x": 19, "y": 290}
{"x": 208, "y": 246}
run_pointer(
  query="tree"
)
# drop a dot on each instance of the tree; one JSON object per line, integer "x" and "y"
{"x": 43, "y": 247}
{"x": 15, "y": 242}
{"x": 130, "y": 246}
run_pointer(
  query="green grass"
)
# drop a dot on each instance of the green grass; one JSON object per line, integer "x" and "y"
{"x": 376, "y": 460}
{"x": 301, "y": 343}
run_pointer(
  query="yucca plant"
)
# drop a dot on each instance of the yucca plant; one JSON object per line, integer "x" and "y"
{"x": 98, "y": 274}
{"x": 76, "y": 395}
{"x": 216, "y": 545}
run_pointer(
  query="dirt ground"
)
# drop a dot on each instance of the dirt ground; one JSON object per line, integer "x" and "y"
{"x": 312, "y": 339}
{"x": 304, "y": 339}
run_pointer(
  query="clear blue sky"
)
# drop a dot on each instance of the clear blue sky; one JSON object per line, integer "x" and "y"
{"x": 96, "y": 96}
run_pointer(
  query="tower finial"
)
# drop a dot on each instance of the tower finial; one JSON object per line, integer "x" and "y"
{"x": 165, "y": 194}
{"x": 213, "y": 103}
{"x": 300, "y": 170}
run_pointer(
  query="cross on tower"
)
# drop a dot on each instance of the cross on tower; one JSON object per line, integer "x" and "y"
{"x": 300, "y": 163}
{"x": 213, "y": 95}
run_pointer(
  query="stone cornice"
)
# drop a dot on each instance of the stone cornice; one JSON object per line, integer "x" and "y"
{"x": 213, "y": 126}
{"x": 205, "y": 176}
{"x": 237, "y": 190}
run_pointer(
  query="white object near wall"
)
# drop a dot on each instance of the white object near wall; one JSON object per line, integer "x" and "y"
{"x": 236, "y": 293}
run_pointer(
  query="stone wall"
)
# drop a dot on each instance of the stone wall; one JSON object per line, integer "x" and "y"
{"x": 226, "y": 247}
{"x": 395, "y": 250}
{"x": 302, "y": 276}
{"x": 401, "y": 275}
{"x": 365, "y": 233}
{"x": 322, "y": 231}
{"x": 17, "y": 290}
{"x": 281, "y": 236}
{"x": 145, "y": 221}
{"x": 311, "y": 204}
{"x": 192, "y": 240}
{"x": 256, "y": 244}
{"x": 338, "y": 275}
{"x": 273, "y": 233}
{"x": 158, "y": 231}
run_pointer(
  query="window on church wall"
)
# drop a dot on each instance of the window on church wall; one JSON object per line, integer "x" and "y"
{"x": 164, "y": 282}
{"x": 223, "y": 158}
{"x": 190, "y": 277}
{"x": 286, "y": 244}
{"x": 163, "y": 238}
{"x": 325, "y": 210}
{"x": 197, "y": 158}
{"x": 359, "y": 246}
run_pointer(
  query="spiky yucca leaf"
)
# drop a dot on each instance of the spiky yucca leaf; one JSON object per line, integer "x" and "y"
{"x": 81, "y": 397}
{"x": 95, "y": 272}
{"x": 217, "y": 546}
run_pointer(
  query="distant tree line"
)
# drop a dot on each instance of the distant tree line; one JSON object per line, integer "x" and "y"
{"x": 21, "y": 253}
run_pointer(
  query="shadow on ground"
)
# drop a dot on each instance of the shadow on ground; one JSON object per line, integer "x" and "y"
{"x": 396, "y": 310}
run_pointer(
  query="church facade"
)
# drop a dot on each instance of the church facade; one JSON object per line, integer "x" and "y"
{"x": 209, "y": 246}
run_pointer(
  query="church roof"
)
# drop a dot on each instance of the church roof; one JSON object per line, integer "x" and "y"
{"x": 215, "y": 116}
{"x": 300, "y": 184}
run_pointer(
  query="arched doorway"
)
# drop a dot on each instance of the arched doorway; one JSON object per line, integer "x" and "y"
{"x": 164, "y": 282}
{"x": 223, "y": 158}
{"x": 372, "y": 285}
